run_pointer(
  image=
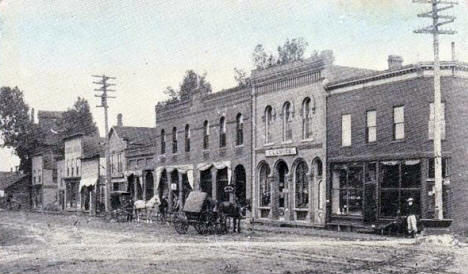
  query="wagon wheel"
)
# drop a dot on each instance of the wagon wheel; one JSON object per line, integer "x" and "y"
{"x": 181, "y": 224}
{"x": 207, "y": 223}
{"x": 221, "y": 226}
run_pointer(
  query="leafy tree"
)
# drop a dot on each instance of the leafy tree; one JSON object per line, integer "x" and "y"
{"x": 79, "y": 119}
{"x": 241, "y": 77}
{"x": 17, "y": 131}
{"x": 291, "y": 51}
{"x": 191, "y": 81}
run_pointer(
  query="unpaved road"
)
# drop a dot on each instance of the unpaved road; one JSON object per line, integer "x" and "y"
{"x": 39, "y": 243}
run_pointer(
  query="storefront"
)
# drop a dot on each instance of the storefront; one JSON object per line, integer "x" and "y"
{"x": 290, "y": 187}
{"x": 370, "y": 192}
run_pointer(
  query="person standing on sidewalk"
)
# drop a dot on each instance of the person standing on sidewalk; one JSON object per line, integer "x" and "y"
{"x": 411, "y": 218}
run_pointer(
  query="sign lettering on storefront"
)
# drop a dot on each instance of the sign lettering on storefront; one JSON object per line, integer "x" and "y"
{"x": 281, "y": 152}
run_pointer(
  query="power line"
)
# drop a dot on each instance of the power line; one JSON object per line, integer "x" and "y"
{"x": 104, "y": 84}
{"x": 438, "y": 20}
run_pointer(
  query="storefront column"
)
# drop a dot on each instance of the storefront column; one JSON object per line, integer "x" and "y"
{"x": 143, "y": 185}
{"x": 92, "y": 201}
{"x": 273, "y": 180}
{"x": 213, "y": 171}
{"x": 181, "y": 193}
{"x": 287, "y": 191}
{"x": 169, "y": 185}
{"x": 312, "y": 206}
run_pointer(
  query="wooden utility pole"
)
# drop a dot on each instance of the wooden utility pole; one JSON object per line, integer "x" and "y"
{"x": 437, "y": 21}
{"x": 104, "y": 89}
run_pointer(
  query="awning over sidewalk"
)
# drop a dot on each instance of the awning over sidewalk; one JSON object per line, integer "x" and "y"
{"x": 87, "y": 182}
{"x": 217, "y": 165}
{"x": 182, "y": 169}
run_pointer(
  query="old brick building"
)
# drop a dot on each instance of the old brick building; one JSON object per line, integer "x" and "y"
{"x": 289, "y": 110}
{"x": 380, "y": 148}
{"x": 44, "y": 172}
{"x": 204, "y": 143}
{"x": 83, "y": 173}
{"x": 132, "y": 150}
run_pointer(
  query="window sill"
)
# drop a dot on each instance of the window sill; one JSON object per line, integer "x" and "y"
{"x": 287, "y": 142}
{"x": 269, "y": 145}
{"x": 307, "y": 140}
{"x": 301, "y": 209}
{"x": 397, "y": 141}
{"x": 263, "y": 207}
{"x": 374, "y": 143}
{"x": 239, "y": 146}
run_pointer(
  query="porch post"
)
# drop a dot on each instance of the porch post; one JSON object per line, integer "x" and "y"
{"x": 213, "y": 171}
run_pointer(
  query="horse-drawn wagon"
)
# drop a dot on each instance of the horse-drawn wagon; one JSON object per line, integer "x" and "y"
{"x": 200, "y": 212}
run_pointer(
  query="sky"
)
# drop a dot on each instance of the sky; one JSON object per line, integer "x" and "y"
{"x": 50, "y": 48}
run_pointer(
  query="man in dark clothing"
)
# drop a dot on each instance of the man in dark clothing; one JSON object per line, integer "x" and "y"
{"x": 163, "y": 208}
{"x": 129, "y": 209}
{"x": 411, "y": 218}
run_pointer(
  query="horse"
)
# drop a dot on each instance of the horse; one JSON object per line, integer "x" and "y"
{"x": 231, "y": 210}
{"x": 148, "y": 206}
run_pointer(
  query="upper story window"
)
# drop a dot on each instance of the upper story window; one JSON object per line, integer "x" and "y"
{"x": 119, "y": 163}
{"x": 206, "y": 135}
{"x": 77, "y": 167}
{"x": 371, "y": 127}
{"x": 187, "y": 138}
{"x": 73, "y": 168}
{"x": 174, "y": 140}
{"x": 68, "y": 168}
{"x": 163, "y": 141}
{"x": 432, "y": 123}
{"x": 268, "y": 122}
{"x": 222, "y": 132}
{"x": 307, "y": 111}
{"x": 287, "y": 119}
{"x": 239, "y": 130}
{"x": 398, "y": 123}
{"x": 346, "y": 130}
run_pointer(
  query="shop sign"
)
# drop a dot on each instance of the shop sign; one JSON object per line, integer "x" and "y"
{"x": 173, "y": 186}
{"x": 228, "y": 189}
{"x": 2, "y": 193}
{"x": 281, "y": 152}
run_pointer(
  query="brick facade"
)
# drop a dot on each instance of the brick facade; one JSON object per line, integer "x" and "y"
{"x": 212, "y": 132}
{"x": 374, "y": 199}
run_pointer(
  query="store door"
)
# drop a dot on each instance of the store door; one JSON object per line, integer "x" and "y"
{"x": 370, "y": 203}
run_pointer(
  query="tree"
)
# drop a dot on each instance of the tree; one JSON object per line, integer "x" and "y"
{"x": 241, "y": 77}
{"x": 291, "y": 51}
{"x": 191, "y": 81}
{"x": 17, "y": 131}
{"x": 79, "y": 119}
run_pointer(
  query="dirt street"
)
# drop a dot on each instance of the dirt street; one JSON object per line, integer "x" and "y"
{"x": 41, "y": 243}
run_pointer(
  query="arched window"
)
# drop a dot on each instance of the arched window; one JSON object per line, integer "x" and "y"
{"x": 187, "y": 138}
{"x": 163, "y": 141}
{"x": 206, "y": 135}
{"x": 302, "y": 186}
{"x": 264, "y": 186}
{"x": 222, "y": 132}
{"x": 268, "y": 121}
{"x": 287, "y": 119}
{"x": 239, "y": 130}
{"x": 174, "y": 140}
{"x": 306, "y": 118}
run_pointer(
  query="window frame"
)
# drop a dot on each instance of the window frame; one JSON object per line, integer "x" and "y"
{"x": 346, "y": 142}
{"x": 222, "y": 132}
{"x": 399, "y": 123}
{"x": 371, "y": 128}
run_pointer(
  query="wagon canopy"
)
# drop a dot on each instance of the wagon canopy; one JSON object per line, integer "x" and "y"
{"x": 195, "y": 202}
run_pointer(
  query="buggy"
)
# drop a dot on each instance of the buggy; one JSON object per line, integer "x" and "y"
{"x": 200, "y": 212}
{"x": 121, "y": 212}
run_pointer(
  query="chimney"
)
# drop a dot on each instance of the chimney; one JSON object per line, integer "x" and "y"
{"x": 32, "y": 115}
{"x": 454, "y": 55}
{"x": 119, "y": 120}
{"x": 394, "y": 62}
